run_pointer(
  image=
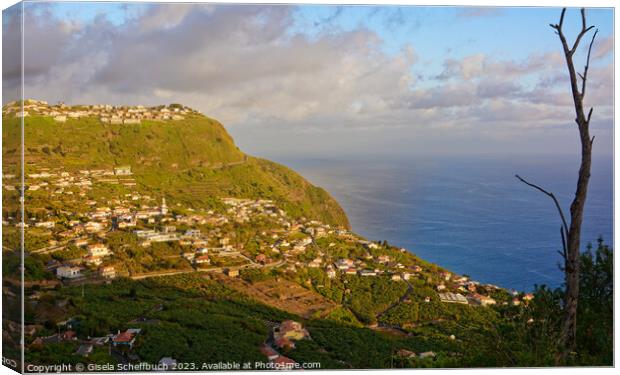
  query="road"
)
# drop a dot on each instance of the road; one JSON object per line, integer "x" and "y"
{"x": 57, "y": 247}
{"x": 215, "y": 269}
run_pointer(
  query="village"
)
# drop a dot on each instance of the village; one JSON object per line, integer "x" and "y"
{"x": 153, "y": 222}
{"x": 206, "y": 236}
{"x": 60, "y": 113}
{"x": 202, "y": 241}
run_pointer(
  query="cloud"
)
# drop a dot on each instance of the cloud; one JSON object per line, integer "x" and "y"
{"x": 497, "y": 88}
{"x": 44, "y": 39}
{"x": 475, "y": 66}
{"x": 251, "y": 68}
{"x": 603, "y": 47}
{"x": 235, "y": 62}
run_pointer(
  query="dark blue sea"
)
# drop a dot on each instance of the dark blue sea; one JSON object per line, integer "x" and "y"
{"x": 468, "y": 214}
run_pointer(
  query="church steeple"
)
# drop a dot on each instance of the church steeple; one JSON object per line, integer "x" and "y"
{"x": 163, "y": 209}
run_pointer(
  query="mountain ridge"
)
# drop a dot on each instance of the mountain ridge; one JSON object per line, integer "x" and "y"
{"x": 173, "y": 150}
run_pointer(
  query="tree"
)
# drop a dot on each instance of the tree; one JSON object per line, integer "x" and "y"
{"x": 596, "y": 305}
{"x": 571, "y": 233}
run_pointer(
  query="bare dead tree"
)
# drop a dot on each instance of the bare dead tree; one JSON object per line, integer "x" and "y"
{"x": 571, "y": 233}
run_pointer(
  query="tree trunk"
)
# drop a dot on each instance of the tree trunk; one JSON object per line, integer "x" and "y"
{"x": 571, "y": 260}
{"x": 571, "y": 263}
{"x": 572, "y": 233}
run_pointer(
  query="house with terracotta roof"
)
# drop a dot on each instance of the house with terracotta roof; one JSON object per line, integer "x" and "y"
{"x": 125, "y": 340}
{"x": 290, "y": 330}
{"x": 351, "y": 271}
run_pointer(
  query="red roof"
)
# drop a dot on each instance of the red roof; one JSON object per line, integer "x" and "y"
{"x": 123, "y": 337}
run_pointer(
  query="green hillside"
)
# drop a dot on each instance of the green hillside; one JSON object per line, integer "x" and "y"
{"x": 190, "y": 160}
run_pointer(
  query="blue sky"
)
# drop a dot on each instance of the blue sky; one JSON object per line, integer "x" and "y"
{"x": 401, "y": 75}
{"x": 438, "y": 31}
{"x": 457, "y": 31}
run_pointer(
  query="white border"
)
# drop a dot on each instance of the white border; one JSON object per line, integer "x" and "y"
{"x": 537, "y": 3}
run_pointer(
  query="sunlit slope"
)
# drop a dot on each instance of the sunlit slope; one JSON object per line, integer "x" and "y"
{"x": 190, "y": 161}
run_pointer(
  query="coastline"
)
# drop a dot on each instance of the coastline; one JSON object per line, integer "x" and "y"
{"x": 469, "y": 218}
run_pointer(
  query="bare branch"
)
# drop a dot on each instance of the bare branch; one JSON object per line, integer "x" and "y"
{"x": 584, "y": 31}
{"x": 558, "y": 28}
{"x": 550, "y": 195}
{"x": 584, "y": 77}
{"x": 581, "y": 34}
{"x": 589, "y": 115}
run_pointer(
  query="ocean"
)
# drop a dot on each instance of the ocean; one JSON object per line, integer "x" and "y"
{"x": 468, "y": 214}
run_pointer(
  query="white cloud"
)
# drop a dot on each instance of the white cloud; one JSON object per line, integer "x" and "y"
{"x": 246, "y": 66}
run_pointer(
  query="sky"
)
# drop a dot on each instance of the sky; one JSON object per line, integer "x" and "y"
{"x": 327, "y": 81}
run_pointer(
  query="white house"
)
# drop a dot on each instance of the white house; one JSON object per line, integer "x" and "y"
{"x": 108, "y": 272}
{"x": 367, "y": 273}
{"x": 343, "y": 264}
{"x": 331, "y": 273}
{"x": 98, "y": 250}
{"x": 66, "y": 272}
{"x": 203, "y": 259}
{"x": 45, "y": 224}
{"x": 122, "y": 171}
